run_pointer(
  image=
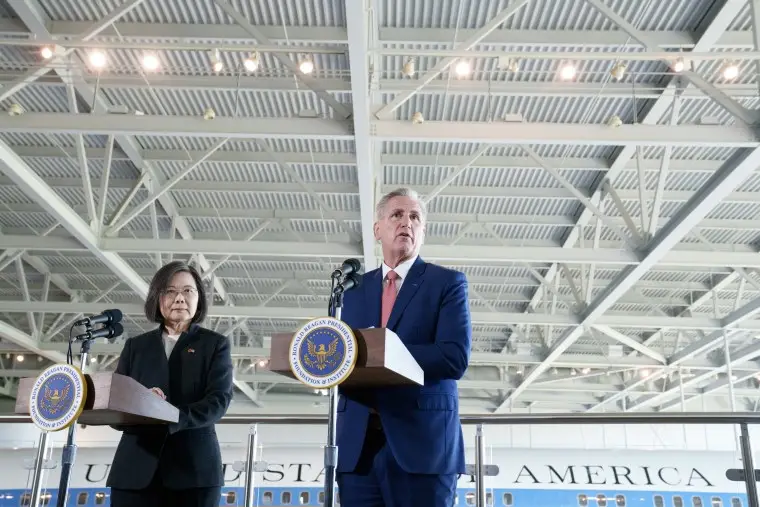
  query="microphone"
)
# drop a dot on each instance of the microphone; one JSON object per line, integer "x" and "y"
{"x": 109, "y": 333}
{"x": 108, "y": 317}
{"x": 352, "y": 281}
{"x": 349, "y": 266}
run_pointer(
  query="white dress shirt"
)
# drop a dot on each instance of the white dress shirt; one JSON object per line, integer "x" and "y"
{"x": 169, "y": 342}
{"x": 402, "y": 270}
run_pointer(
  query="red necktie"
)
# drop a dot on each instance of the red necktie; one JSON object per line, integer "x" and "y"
{"x": 389, "y": 297}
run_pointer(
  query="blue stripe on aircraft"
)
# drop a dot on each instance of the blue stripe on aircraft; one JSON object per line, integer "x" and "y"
{"x": 497, "y": 497}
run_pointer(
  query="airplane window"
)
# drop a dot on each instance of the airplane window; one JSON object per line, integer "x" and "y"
{"x": 620, "y": 500}
{"x": 507, "y": 499}
{"x": 469, "y": 498}
{"x": 303, "y": 498}
{"x": 658, "y": 501}
{"x": 696, "y": 501}
{"x": 230, "y": 497}
{"x": 100, "y": 498}
{"x": 677, "y": 501}
{"x": 601, "y": 500}
{"x": 82, "y": 498}
{"x": 717, "y": 502}
{"x": 489, "y": 499}
{"x": 322, "y": 497}
{"x": 268, "y": 497}
{"x": 45, "y": 498}
{"x": 286, "y": 498}
{"x": 582, "y": 500}
{"x": 456, "y": 499}
{"x": 736, "y": 502}
{"x": 26, "y": 499}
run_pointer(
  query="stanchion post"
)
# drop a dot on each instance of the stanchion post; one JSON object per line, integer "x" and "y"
{"x": 250, "y": 462}
{"x": 42, "y": 447}
{"x": 749, "y": 466}
{"x": 480, "y": 450}
{"x": 331, "y": 449}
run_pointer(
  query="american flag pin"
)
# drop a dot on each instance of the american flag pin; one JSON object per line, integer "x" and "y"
{"x": 192, "y": 351}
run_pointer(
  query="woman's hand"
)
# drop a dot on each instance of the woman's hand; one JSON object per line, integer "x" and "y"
{"x": 158, "y": 392}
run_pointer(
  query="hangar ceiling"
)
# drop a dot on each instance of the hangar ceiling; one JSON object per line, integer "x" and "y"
{"x": 591, "y": 165}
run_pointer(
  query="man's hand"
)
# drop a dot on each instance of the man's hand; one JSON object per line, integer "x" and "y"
{"x": 158, "y": 392}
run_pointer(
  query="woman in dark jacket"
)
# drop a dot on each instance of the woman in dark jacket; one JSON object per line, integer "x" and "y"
{"x": 191, "y": 368}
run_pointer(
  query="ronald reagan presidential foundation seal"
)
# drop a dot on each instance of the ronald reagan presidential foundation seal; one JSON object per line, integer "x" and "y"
{"x": 58, "y": 397}
{"x": 323, "y": 353}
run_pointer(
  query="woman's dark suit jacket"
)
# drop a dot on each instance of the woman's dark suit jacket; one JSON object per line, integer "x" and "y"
{"x": 197, "y": 379}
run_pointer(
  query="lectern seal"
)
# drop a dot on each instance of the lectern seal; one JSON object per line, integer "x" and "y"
{"x": 323, "y": 353}
{"x": 58, "y": 397}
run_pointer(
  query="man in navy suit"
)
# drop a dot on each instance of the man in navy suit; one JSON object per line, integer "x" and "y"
{"x": 403, "y": 446}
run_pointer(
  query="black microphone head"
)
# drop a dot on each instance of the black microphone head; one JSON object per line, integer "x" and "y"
{"x": 117, "y": 329}
{"x": 114, "y": 315}
{"x": 356, "y": 280}
{"x": 354, "y": 263}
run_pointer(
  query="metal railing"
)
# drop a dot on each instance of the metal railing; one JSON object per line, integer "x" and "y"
{"x": 479, "y": 469}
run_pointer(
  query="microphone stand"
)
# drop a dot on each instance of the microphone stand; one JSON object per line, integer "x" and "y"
{"x": 70, "y": 449}
{"x": 331, "y": 449}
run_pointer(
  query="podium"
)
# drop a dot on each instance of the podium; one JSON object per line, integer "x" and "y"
{"x": 365, "y": 358}
{"x": 382, "y": 360}
{"x": 112, "y": 399}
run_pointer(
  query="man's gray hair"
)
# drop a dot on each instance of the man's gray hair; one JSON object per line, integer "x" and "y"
{"x": 399, "y": 192}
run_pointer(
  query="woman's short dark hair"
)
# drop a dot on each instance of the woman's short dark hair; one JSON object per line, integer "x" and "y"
{"x": 161, "y": 279}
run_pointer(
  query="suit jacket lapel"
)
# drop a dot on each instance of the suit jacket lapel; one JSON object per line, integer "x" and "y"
{"x": 408, "y": 289}
{"x": 373, "y": 296}
{"x": 161, "y": 366}
{"x": 184, "y": 340}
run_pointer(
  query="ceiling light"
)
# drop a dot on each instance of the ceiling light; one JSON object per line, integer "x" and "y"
{"x": 679, "y": 65}
{"x": 98, "y": 59}
{"x": 216, "y": 61}
{"x": 306, "y": 66}
{"x": 20, "y": 358}
{"x": 731, "y": 71}
{"x": 417, "y": 118}
{"x": 408, "y": 68}
{"x": 618, "y": 71}
{"x": 46, "y": 53}
{"x": 463, "y": 68}
{"x": 251, "y": 63}
{"x": 614, "y": 121}
{"x": 150, "y": 62}
{"x": 567, "y": 72}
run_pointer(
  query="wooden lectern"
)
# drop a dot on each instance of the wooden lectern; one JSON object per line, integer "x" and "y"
{"x": 382, "y": 359}
{"x": 112, "y": 399}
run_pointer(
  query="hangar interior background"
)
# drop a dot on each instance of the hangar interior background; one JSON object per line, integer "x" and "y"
{"x": 590, "y": 164}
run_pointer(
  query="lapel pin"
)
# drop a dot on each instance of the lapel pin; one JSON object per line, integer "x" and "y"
{"x": 192, "y": 351}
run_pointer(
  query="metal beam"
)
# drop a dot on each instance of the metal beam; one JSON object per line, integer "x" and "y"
{"x": 388, "y": 86}
{"x": 677, "y": 258}
{"x": 178, "y": 126}
{"x": 22, "y": 339}
{"x": 388, "y": 159}
{"x": 643, "y": 321}
{"x": 443, "y": 64}
{"x": 358, "y": 21}
{"x": 594, "y": 361}
{"x": 301, "y": 128}
{"x": 713, "y": 30}
{"x": 734, "y": 172}
{"x": 220, "y": 33}
{"x": 36, "y": 188}
{"x": 555, "y": 133}
{"x": 742, "y": 355}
